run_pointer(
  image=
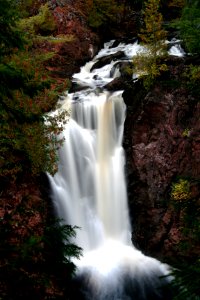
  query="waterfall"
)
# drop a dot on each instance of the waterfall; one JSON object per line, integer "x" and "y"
{"x": 89, "y": 190}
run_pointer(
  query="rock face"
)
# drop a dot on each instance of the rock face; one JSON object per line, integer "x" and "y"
{"x": 22, "y": 214}
{"x": 162, "y": 143}
{"x": 80, "y": 42}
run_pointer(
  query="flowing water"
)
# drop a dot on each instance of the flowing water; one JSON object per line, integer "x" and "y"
{"x": 89, "y": 190}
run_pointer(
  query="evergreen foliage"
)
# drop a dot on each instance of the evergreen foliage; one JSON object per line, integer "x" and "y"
{"x": 10, "y": 35}
{"x": 27, "y": 140}
{"x": 28, "y": 135}
{"x": 43, "y": 23}
{"x": 103, "y": 12}
{"x": 187, "y": 206}
{"x": 186, "y": 275}
{"x": 186, "y": 281}
{"x": 148, "y": 63}
{"x": 153, "y": 32}
{"x": 192, "y": 76}
{"x": 58, "y": 238}
{"x": 29, "y": 267}
{"x": 189, "y": 25}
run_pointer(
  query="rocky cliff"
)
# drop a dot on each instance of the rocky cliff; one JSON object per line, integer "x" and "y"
{"x": 162, "y": 145}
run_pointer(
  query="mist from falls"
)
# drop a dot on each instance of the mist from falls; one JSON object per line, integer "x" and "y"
{"x": 89, "y": 190}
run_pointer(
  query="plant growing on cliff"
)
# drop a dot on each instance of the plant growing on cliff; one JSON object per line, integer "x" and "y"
{"x": 185, "y": 200}
{"x": 31, "y": 264}
{"x": 27, "y": 142}
{"x": 10, "y": 35}
{"x": 58, "y": 238}
{"x": 103, "y": 12}
{"x": 186, "y": 281}
{"x": 192, "y": 76}
{"x": 181, "y": 190}
{"x": 148, "y": 64}
{"x": 189, "y": 25}
{"x": 43, "y": 23}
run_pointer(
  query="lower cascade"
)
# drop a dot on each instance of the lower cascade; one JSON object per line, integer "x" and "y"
{"x": 89, "y": 191}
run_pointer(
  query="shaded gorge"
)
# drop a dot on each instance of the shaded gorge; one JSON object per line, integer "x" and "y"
{"x": 89, "y": 189}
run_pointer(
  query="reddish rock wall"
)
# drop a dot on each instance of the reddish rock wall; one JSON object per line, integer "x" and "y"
{"x": 158, "y": 152}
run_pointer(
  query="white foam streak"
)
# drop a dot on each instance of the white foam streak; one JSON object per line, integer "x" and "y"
{"x": 96, "y": 78}
{"x": 176, "y": 50}
{"x": 129, "y": 50}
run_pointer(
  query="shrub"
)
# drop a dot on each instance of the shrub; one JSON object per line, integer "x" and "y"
{"x": 186, "y": 281}
{"x": 33, "y": 264}
{"x": 27, "y": 141}
{"x": 181, "y": 190}
{"x": 43, "y": 23}
{"x": 101, "y": 13}
{"x": 148, "y": 64}
{"x": 192, "y": 76}
{"x": 186, "y": 274}
{"x": 189, "y": 26}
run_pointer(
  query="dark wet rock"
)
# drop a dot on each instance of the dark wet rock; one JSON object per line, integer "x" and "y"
{"x": 116, "y": 84}
{"x": 124, "y": 40}
{"x": 107, "y": 60}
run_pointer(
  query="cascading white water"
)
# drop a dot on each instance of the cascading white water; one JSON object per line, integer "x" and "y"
{"x": 89, "y": 191}
{"x": 90, "y": 183}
